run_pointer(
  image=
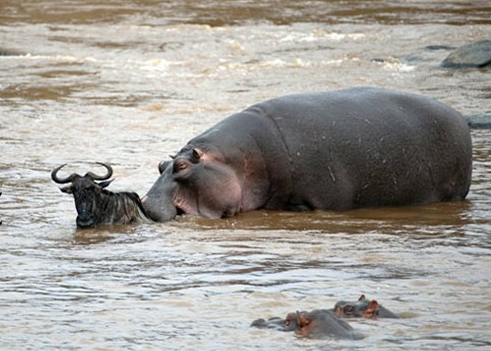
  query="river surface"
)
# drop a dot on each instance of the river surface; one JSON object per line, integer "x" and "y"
{"x": 129, "y": 82}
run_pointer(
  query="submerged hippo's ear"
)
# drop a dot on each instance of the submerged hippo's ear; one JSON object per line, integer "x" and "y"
{"x": 67, "y": 189}
{"x": 106, "y": 183}
{"x": 362, "y": 297}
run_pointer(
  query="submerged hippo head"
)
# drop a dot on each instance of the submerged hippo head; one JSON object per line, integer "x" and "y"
{"x": 364, "y": 308}
{"x": 315, "y": 324}
{"x": 322, "y": 323}
{"x": 194, "y": 182}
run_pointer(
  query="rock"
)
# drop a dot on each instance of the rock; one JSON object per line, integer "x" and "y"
{"x": 477, "y": 54}
{"x": 479, "y": 120}
{"x": 438, "y": 47}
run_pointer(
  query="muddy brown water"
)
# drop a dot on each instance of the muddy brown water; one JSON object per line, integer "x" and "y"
{"x": 129, "y": 82}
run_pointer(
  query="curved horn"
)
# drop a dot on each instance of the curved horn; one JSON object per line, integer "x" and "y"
{"x": 104, "y": 177}
{"x": 61, "y": 180}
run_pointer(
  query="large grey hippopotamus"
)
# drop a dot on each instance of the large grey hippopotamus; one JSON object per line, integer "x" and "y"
{"x": 339, "y": 150}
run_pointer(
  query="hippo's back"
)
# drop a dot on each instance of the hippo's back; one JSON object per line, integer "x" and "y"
{"x": 371, "y": 147}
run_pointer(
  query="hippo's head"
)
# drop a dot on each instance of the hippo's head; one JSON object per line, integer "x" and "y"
{"x": 322, "y": 323}
{"x": 194, "y": 182}
{"x": 362, "y": 308}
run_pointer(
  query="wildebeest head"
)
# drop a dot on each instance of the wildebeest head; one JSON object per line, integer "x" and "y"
{"x": 86, "y": 192}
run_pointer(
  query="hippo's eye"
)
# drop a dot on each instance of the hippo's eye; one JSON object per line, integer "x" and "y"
{"x": 287, "y": 322}
{"x": 180, "y": 165}
{"x": 348, "y": 309}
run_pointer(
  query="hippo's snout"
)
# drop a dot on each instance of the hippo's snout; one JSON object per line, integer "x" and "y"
{"x": 157, "y": 209}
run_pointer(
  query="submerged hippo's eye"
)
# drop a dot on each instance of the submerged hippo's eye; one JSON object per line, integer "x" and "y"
{"x": 348, "y": 309}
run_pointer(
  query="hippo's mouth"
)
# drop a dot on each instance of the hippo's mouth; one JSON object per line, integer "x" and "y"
{"x": 162, "y": 211}
{"x": 184, "y": 207}
{"x": 179, "y": 211}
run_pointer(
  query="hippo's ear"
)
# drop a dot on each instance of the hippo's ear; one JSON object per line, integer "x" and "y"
{"x": 362, "y": 297}
{"x": 67, "y": 189}
{"x": 197, "y": 153}
{"x": 106, "y": 183}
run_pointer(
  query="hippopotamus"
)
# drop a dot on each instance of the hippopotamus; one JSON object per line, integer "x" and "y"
{"x": 338, "y": 150}
{"x": 316, "y": 324}
{"x": 362, "y": 308}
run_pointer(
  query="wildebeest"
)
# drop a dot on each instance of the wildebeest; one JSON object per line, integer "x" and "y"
{"x": 96, "y": 205}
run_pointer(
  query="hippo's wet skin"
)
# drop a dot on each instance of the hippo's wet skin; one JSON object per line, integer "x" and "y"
{"x": 362, "y": 308}
{"x": 339, "y": 150}
{"x": 315, "y": 324}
